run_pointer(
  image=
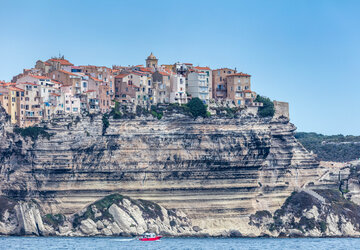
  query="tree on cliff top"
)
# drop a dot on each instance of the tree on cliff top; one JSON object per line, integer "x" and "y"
{"x": 197, "y": 107}
{"x": 268, "y": 106}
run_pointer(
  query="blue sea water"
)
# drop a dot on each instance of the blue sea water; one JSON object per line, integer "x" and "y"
{"x": 39, "y": 243}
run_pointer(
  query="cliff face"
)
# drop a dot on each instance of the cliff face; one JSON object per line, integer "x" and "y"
{"x": 217, "y": 171}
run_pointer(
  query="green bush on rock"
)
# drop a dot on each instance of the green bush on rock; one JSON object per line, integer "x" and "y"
{"x": 33, "y": 132}
{"x": 267, "y": 110}
{"x": 197, "y": 108}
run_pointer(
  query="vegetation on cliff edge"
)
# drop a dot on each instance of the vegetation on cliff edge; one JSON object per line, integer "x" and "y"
{"x": 33, "y": 132}
{"x": 268, "y": 106}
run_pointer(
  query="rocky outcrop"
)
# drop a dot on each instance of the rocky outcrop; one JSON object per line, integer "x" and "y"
{"x": 304, "y": 214}
{"x": 217, "y": 170}
{"x": 113, "y": 215}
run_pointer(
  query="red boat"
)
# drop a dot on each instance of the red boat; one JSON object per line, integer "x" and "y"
{"x": 150, "y": 237}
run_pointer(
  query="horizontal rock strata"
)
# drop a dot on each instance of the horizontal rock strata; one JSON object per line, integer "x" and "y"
{"x": 212, "y": 169}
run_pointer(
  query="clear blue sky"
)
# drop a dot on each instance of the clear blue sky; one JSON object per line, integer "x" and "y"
{"x": 303, "y": 52}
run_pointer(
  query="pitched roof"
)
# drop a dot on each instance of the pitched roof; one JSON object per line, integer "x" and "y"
{"x": 202, "y": 68}
{"x": 6, "y": 84}
{"x": 63, "y": 62}
{"x": 89, "y": 91}
{"x": 40, "y": 77}
{"x": 121, "y": 75}
{"x": 95, "y": 79}
{"x": 54, "y": 94}
{"x": 67, "y": 72}
{"x": 16, "y": 89}
{"x": 239, "y": 74}
{"x": 247, "y": 91}
{"x": 29, "y": 83}
{"x": 163, "y": 73}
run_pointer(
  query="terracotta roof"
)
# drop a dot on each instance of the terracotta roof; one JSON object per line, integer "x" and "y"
{"x": 29, "y": 83}
{"x": 40, "y": 77}
{"x": 47, "y": 64}
{"x": 57, "y": 82}
{"x": 163, "y": 73}
{"x": 121, "y": 75}
{"x": 63, "y": 62}
{"x": 146, "y": 69}
{"x": 95, "y": 79}
{"x": 247, "y": 91}
{"x": 67, "y": 72}
{"x": 54, "y": 94}
{"x": 239, "y": 74}
{"x": 16, "y": 89}
{"x": 89, "y": 91}
{"x": 223, "y": 69}
{"x": 202, "y": 68}
{"x": 6, "y": 84}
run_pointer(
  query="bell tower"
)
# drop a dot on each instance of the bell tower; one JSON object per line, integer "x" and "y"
{"x": 151, "y": 61}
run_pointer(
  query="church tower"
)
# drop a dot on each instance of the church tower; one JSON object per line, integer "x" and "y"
{"x": 151, "y": 61}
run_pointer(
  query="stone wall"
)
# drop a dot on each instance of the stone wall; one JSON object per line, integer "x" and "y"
{"x": 281, "y": 109}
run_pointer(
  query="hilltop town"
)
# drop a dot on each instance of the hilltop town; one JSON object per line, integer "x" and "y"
{"x": 57, "y": 87}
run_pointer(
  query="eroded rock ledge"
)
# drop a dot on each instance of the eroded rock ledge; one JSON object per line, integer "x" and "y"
{"x": 218, "y": 171}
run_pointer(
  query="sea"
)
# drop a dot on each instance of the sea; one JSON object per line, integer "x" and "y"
{"x": 39, "y": 243}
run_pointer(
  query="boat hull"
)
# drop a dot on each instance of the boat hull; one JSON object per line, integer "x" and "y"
{"x": 151, "y": 239}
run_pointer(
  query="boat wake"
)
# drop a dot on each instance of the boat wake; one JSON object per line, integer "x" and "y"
{"x": 124, "y": 239}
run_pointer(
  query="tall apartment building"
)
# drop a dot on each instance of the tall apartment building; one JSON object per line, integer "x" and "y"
{"x": 219, "y": 84}
{"x": 208, "y": 78}
{"x": 178, "y": 89}
{"x": 239, "y": 89}
{"x": 198, "y": 85}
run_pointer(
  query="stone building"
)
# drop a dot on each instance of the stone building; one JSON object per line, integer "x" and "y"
{"x": 161, "y": 82}
{"x": 219, "y": 84}
{"x": 239, "y": 89}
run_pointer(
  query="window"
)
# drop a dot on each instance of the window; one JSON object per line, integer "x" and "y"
{"x": 84, "y": 84}
{"x": 239, "y": 102}
{"x": 220, "y": 78}
{"x": 239, "y": 81}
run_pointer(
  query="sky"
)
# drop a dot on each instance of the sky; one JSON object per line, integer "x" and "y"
{"x": 305, "y": 52}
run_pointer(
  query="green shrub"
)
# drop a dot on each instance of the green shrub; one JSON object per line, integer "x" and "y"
{"x": 54, "y": 220}
{"x": 157, "y": 115}
{"x": 197, "y": 107}
{"x": 115, "y": 112}
{"x": 33, "y": 132}
{"x": 267, "y": 110}
{"x": 106, "y": 123}
{"x": 322, "y": 226}
{"x": 156, "y": 112}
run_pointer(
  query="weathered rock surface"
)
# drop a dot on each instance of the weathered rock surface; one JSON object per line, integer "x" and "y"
{"x": 304, "y": 215}
{"x": 218, "y": 171}
{"x": 119, "y": 216}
